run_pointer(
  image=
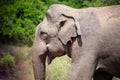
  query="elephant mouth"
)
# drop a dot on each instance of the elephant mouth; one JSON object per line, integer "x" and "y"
{"x": 50, "y": 57}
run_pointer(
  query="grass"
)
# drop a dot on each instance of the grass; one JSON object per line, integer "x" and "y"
{"x": 58, "y": 69}
{"x": 116, "y": 78}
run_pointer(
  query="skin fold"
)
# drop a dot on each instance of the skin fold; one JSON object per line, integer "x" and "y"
{"x": 90, "y": 36}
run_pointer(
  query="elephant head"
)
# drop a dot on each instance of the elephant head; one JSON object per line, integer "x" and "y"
{"x": 55, "y": 36}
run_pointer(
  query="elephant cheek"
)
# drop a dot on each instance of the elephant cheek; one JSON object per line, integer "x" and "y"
{"x": 55, "y": 45}
{"x": 55, "y": 50}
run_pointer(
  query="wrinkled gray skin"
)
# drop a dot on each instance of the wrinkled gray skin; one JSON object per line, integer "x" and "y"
{"x": 91, "y": 37}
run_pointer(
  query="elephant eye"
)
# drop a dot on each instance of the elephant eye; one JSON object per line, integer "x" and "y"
{"x": 61, "y": 25}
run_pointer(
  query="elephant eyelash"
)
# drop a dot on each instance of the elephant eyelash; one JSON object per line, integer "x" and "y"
{"x": 61, "y": 25}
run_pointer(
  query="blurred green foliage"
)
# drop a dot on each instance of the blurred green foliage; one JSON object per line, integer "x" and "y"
{"x": 7, "y": 63}
{"x": 19, "y": 18}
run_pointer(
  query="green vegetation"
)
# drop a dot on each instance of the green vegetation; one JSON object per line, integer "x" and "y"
{"x": 19, "y": 18}
{"x": 58, "y": 69}
{"x": 7, "y": 63}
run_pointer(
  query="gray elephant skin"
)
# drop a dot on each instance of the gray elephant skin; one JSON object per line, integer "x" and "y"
{"x": 90, "y": 36}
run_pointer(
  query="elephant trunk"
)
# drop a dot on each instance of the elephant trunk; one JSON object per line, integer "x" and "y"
{"x": 39, "y": 67}
{"x": 38, "y": 59}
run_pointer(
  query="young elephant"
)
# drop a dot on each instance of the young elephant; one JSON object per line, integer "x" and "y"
{"x": 91, "y": 37}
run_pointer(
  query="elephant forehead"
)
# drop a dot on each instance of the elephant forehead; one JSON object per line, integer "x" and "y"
{"x": 56, "y": 10}
{"x": 48, "y": 28}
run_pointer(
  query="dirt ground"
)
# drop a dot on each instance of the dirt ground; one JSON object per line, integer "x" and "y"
{"x": 23, "y": 66}
{"x": 24, "y": 70}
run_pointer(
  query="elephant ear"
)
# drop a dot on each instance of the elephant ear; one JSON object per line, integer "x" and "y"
{"x": 69, "y": 28}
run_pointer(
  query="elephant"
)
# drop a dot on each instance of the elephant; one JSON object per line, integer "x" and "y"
{"x": 89, "y": 36}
